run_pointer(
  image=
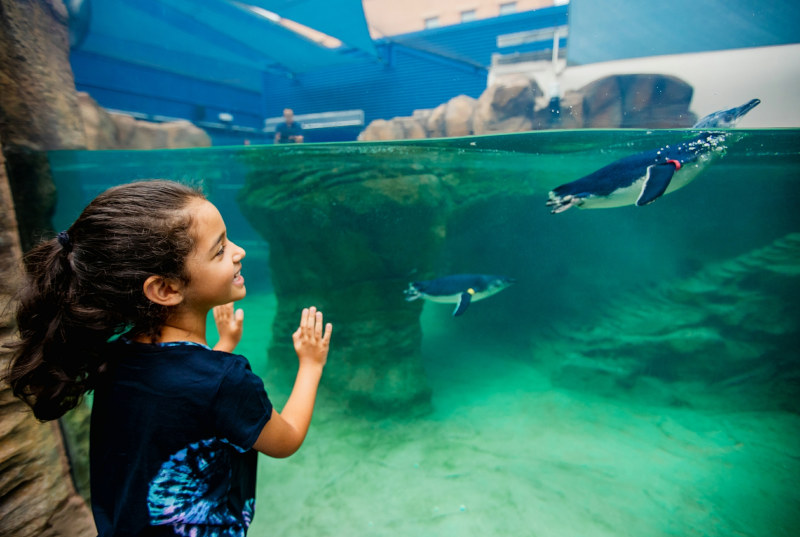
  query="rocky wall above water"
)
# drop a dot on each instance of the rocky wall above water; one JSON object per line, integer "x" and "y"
{"x": 111, "y": 130}
{"x": 37, "y": 497}
{"x": 38, "y": 112}
{"x": 649, "y": 101}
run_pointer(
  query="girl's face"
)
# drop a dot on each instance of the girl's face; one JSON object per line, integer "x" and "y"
{"x": 215, "y": 265}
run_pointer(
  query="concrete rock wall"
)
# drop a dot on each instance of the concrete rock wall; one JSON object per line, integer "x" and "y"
{"x": 37, "y": 497}
{"x": 38, "y": 112}
{"x": 518, "y": 104}
{"x": 38, "y": 106}
{"x": 106, "y": 130}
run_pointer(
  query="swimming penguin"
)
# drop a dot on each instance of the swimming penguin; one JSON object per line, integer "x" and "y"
{"x": 641, "y": 178}
{"x": 726, "y": 118}
{"x": 459, "y": 289}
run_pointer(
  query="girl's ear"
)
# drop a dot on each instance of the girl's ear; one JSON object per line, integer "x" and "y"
{"x": 163, "y": 291}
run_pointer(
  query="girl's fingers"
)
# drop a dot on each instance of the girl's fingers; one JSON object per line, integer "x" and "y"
{"x": 318, "y": 325}
{"x": 303, "y": 318}
{"x": 328, "y": 329}
{"x": 312, "y": 325}
{"x": 310, "y": 318}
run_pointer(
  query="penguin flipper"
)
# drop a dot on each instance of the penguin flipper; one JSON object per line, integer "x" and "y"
{"x": 656, "y": 182}
{"x": 463, "y": 303}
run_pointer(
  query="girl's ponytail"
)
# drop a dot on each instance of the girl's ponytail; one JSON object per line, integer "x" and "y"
{"x": 85, "y": 287}
{"x": 51, "y": 372}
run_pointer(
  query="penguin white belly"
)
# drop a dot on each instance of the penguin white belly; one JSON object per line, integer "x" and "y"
{"x": 442, "y": 299}
{"x": 629, "y": 194}
{"x": 621, "y": 197}
{"x": 452, "y": 299}
{"x": 688, "y": 173}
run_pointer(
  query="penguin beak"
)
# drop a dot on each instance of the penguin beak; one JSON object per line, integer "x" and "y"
{"x": 740, "y": 111}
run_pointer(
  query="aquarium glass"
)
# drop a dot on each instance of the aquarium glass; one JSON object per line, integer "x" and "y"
{"x": 640, "y": 377}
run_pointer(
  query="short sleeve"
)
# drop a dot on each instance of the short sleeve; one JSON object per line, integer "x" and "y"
{"x": 241, "y": 408}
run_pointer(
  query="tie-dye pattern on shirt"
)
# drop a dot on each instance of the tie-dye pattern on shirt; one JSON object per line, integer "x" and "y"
{"x": 191, "y": 489}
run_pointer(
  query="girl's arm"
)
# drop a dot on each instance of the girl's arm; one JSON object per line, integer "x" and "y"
{"x": 285, "y": 431}
{"x": 229, "y": 327}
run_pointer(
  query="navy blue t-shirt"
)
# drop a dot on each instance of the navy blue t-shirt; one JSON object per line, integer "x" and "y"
{"x": 285, "y": 130}
{"x": 171, "y": 436}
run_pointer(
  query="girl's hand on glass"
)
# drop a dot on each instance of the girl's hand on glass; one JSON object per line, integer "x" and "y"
{"x": 311, "y": 343}
{"x": 229, "y": 326}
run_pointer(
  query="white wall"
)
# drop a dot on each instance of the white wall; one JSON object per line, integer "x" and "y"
{"x": 721, "y": 79}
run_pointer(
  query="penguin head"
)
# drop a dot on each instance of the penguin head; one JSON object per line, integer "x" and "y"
{"x": 500, "y": 283}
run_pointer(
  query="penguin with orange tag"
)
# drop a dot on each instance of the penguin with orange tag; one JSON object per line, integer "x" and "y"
{"x": 641, "y": 178}
{"x": 644, "y": 177}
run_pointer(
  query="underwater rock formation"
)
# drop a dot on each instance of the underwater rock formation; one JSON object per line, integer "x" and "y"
{"x": 348, "y": 228}
{"x": 732, "y": 327}
{"x": 650, "y": 101}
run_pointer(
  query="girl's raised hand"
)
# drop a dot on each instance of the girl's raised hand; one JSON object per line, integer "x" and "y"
{"x": 310, "y": 342}
{"x": 286, "y": 430}
{"x": 229, "y": 326}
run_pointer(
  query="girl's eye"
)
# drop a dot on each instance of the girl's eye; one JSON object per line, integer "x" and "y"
{"x": 221, "y": 250}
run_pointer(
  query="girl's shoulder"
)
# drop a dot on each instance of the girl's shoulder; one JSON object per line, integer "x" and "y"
{"x": 183, "y": 356}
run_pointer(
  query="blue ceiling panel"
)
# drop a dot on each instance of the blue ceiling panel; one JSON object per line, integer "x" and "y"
{"x": 151, "y": 24}
{"x": 162, "y": 33}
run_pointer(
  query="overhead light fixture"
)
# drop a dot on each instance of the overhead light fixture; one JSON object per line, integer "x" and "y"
{"x": 320, "y": 38}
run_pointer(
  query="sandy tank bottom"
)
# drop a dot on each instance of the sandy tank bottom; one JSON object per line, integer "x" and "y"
{"x": 507, "y": 453}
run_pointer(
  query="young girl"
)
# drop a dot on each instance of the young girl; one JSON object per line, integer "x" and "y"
{"x": 118, "y": 304}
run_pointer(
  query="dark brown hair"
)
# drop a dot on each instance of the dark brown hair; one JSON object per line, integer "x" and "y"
{"x": 85, "y": 287}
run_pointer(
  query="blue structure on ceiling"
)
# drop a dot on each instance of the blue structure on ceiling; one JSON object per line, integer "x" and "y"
{"x": 164, "y": 59}
{"x": 418, "y": 70}
{"x": 621, "y": 29}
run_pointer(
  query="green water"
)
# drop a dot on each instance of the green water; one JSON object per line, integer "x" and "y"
{"x": 640, "y": 378}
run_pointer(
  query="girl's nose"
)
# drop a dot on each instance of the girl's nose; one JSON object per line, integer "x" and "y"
{"x": 238, "y": 253}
